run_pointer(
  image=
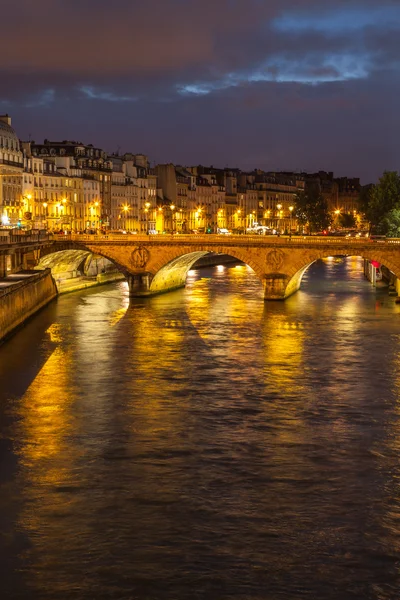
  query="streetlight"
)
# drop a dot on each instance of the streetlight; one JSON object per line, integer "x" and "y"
{"x": 125, "y": 209}
{"x": 238, "y": 217}
{"x": 337, "y": 213}
{"x": 44, "y": 213}
{"x": 146, "y": 210}
{"x": 279, "y": 206}
{"x": 172, "y": 207}
{"x": 27, "y": 209}
{"x": 290, "y": 224}
{"x": 95, "y": 215}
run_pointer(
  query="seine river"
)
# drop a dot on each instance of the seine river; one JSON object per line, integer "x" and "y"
{"x": 204, "y": 444}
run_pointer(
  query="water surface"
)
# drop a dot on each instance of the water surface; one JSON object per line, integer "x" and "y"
{"x": 204, "y": 444}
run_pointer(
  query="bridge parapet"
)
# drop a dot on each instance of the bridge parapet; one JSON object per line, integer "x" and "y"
{"x": 227, "y": 239}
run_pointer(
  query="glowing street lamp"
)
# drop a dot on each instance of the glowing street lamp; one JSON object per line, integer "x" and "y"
{"x": 291, "y": 208}
{"x": 279, "y": 207}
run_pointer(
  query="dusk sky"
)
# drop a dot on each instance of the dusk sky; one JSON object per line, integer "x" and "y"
{"x": 271, "y": 84}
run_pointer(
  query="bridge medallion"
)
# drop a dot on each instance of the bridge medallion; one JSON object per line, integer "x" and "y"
{"x": 275, "y": 258}
{"x": 139, "y": 257}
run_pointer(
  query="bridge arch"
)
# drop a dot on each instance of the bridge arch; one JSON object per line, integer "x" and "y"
{"x": 74, "y": 262}
{"x": 173, "y": 273}
{"x": 301, "y": 264}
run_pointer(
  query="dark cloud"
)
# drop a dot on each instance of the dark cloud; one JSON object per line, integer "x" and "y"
{"x": 274, "y": 84}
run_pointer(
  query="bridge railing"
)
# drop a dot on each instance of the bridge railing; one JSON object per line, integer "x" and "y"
{"x": 10, "y": 237}
{"x": 225, "y": 239}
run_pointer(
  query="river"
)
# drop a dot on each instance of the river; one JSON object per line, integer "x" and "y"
{"x": 204, "y": 444}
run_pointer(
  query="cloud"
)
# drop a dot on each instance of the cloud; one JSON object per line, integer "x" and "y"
{"x": 209, "y": 66}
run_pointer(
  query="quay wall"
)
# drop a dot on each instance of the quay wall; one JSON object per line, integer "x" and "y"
{"x": 21, "y": 300}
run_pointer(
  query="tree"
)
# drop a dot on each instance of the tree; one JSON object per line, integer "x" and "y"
{"x": 364, "y": 201}
{"x": 390, "y": 224}
{"x": 347, "y": 221}
{"x": 311, "y": 209}
{"x": 384, "y": 202}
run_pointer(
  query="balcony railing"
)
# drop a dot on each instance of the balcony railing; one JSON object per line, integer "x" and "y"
{"x": 12, "y": 163}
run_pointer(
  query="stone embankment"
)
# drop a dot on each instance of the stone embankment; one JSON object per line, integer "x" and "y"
{"x": 21, "y": 296}
{"x": 75, "y": 284}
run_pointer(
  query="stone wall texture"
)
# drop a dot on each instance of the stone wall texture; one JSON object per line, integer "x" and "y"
{"x": 21, "y": 300}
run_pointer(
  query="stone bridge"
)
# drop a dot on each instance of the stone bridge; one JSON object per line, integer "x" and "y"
{"x": 160, "y": 263}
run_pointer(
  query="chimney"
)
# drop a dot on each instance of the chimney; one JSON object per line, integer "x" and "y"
{"x": 6, "y": 119}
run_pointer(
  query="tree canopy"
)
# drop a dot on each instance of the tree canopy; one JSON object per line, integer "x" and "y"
{"x": 311, "y": 210}
{"x": 381, "y": 204}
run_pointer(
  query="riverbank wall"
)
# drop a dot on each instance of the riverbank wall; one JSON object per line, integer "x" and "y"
{"x": 22, "y": 296}
{"x": 82, "y": 283}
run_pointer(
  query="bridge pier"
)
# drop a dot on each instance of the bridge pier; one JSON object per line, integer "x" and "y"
{"x": 275, "y": 286}
{"x": 139, "y": 285}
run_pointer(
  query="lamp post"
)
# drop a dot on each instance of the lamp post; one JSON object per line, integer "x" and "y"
{"x": 172, "y": 207}
{"x": 27, "y": 216}
{"x": 238, "y": 217}
{"x": 279, "y": 207}
{"x": 290, "y": 224}
{"x": 146, "y": 211}
{"x": 63, "y": 211}
{"x": 44, "y": 214}
{"x": 337, "y": 214}
{"x": 125, "y": 209}
{"x": 160, "y": 219}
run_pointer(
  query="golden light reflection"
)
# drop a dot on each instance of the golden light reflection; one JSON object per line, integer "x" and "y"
{"x": 54, "y": 332}
{"x": 44, "y": 409}
{"x": 116, "y": 316}
{"x": 230, "y": 310}
{"x": 284, "y": 348}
